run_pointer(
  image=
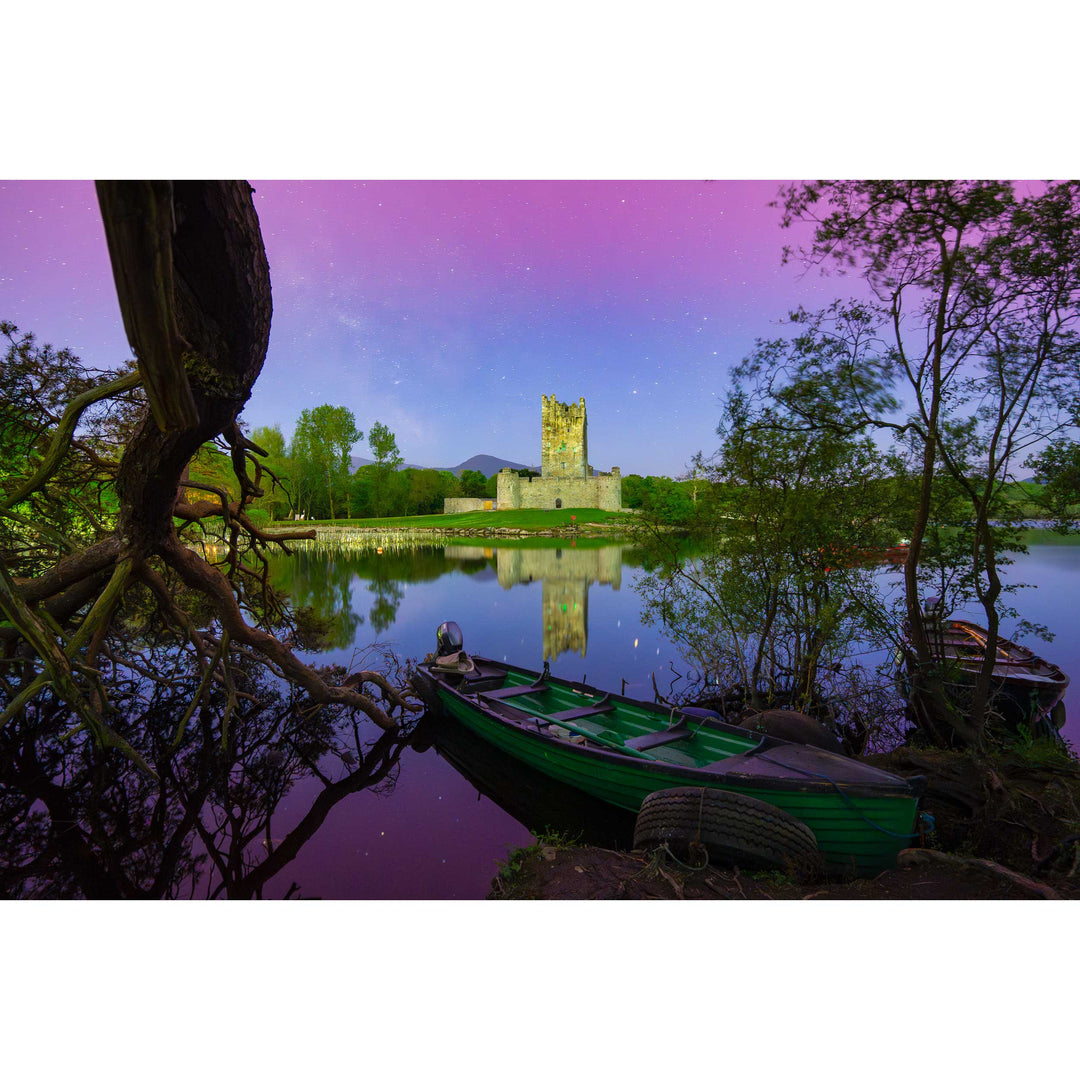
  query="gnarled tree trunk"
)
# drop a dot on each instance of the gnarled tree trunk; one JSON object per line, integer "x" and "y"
{"x": 194, "y": 289}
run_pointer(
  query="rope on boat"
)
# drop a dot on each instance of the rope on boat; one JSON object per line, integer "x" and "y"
{"x": 843, "y": 795}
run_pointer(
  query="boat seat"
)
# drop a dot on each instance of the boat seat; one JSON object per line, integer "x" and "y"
{"x": 537, "y": 687}
{"x": 682, "y": 730}
{"x": 597, "y": 708}
{"x": 481, "y": 685}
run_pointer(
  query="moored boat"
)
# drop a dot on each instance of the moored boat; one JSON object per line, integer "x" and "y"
{"x": 1026, "y": 688}
{"x": 620, "y": 750}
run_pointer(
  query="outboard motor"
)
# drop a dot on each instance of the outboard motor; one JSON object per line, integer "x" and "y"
{"x": 934, "y": 614}
{"x": 448, "y": 639}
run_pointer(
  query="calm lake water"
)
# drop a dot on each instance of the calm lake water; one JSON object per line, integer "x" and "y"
{"x": 435, "y": 836}
{"x": 278, "y": 809}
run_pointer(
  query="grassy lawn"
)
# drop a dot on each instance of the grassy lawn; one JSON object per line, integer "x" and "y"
{"x": 528, "y": 520}
{"x": 1048, "y": 536}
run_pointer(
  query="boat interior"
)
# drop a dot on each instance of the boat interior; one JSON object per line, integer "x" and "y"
{"x": 550, "y": 706}
{"x": 699, "y": 740}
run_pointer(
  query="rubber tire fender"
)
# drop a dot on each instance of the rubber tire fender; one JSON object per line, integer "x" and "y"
{"x": 735, "y": 830}
{"x": 1058, "y": 715}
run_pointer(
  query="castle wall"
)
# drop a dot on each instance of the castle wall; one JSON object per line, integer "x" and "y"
{"x": 603, "y": 491}
{"x": 464, "y": 506}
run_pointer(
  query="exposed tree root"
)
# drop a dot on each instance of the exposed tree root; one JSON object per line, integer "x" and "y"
{"x": 927, "y": 857}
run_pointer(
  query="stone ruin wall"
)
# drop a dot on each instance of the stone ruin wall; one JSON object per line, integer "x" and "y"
{"x": 465, "y": 506}
{"x": 603, "y": 491}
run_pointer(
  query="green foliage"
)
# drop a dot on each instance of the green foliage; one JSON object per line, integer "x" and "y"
{"x": 662, "y": 497}
{"x": 773, "y": 590}
{"x": 974, "y": 327}
{"x": 212, "y": 467}
{"x": 473, "y": 484}
{"x": 383, "y": 445}
{"x": 77, "y": 504}
{"x": 517, "y": 858}
{"x": 277, "y": 471}
{"x": 1057, "y": 470}
{"x": 1036, "y": 751}
{"x": 668, "y": 501}
{"x": 320, "y": 448}
{"x": 387, "y": 459}
{"x": 633, "y": 491}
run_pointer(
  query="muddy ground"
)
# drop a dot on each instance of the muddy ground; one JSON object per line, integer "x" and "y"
{"x": 1007, "y": 827}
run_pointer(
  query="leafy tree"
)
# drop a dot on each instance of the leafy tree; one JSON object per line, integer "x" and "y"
{"x": 277, "y": 469}
{"x": 425, "y": 490}
{"x": 320, "y": 446}
{"x": 772, "y": 592}
{"x": 967, "y": 353}
{"x": 668, "y": 500}
{"x": 634, "y": 488}
{"x": 383, "y": 445}
{"x": 473, "y": 484}
{"x": 62, "y": 431}
{"x": 362, "y": 492}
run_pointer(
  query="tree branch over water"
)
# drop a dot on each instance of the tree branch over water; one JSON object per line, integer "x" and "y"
{"x": 193, "y": 285}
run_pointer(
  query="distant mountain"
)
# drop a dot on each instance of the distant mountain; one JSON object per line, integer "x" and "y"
{"x": 488, "y": 465}
{"x": 484, "y": 463}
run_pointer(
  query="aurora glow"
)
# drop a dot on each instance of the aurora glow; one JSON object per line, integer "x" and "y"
{"x": 446, "y": 308}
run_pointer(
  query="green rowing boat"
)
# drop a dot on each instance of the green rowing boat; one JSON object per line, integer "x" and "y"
{"x": 619, "y": 750}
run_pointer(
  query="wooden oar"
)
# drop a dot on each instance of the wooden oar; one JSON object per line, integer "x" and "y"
{"x": 984, "y": 642}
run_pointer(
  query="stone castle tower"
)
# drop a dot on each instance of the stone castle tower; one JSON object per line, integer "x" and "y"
{"x": 566, "y": 478}
{"x": 564, "y": 443}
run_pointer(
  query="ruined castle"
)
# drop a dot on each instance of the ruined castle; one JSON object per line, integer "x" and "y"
{"x": 566, "y": 478}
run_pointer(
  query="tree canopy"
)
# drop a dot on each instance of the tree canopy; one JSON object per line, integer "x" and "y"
{"x": 967, "y": 353}
{"x": 320, "y": 448}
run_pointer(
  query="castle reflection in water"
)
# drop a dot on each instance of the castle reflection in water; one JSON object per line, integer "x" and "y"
{"x": 565, "y": 574}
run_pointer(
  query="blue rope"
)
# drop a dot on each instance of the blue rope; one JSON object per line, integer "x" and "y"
{"x": 843, "y": 795}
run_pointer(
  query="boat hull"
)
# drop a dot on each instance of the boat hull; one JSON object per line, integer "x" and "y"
{"x": 862, "y": 817}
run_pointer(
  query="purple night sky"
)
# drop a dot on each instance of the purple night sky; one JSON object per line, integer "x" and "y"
{"x": 446, "y": 309}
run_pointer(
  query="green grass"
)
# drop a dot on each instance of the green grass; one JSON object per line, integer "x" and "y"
{"x": 1049, "y": 537}
{"x": 528, "y": 520}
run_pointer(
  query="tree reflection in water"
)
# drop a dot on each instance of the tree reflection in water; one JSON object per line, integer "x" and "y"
{"x": 79, "y": 822}
{"x": 320, "y": 591}
{"x": 318, "y": 577}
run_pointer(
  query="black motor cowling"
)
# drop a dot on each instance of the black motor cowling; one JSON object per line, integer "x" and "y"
{"x": 934, "y": 614}
{"x": 448, "y": 639}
